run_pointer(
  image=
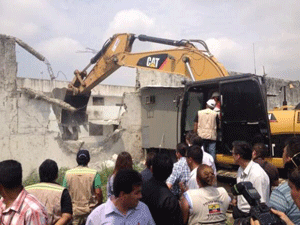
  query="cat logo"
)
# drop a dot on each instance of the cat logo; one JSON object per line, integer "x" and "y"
{"x": 153, "y": 61}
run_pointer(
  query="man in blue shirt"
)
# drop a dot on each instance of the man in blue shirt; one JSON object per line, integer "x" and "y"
{"x": 125, "y": 208}
{"x": 180, "y": 172}
{"x": 281, "y": 198}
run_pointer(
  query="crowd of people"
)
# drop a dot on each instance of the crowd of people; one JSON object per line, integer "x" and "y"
{"x": 185, "y": 192}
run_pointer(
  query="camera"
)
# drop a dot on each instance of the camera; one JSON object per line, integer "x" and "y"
{"x": 258, "y": 211}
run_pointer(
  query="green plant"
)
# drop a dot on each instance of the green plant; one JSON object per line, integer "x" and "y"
{"x": 61, "y": 174}
{"x": 104, "y": 175}
{"x": 33, "y": 178}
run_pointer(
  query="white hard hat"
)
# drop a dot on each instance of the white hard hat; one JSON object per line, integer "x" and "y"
{"x": 211, "y": 103}
{"x": 215, "y": 94}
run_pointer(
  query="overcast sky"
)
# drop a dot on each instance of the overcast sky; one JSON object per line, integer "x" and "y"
{"x": 61, "y": 29}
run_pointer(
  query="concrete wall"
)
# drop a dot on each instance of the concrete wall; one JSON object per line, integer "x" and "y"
{"x": 152, "y": 78}
{"x": 30, "y": 132}
{"x": 25, "y": 135}
{"x": 276, "y": 97}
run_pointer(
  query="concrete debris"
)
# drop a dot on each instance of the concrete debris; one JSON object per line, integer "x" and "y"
{"x": 39, "y": 95}
{"x": 35, "y": 53}
{"x": 108, "y": 164}
{"x": 114, "y": 157}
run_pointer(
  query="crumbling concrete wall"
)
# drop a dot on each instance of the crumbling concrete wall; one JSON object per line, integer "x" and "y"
{"x": 131, "y": 123}
{"x": 154, "y": 78}
{"x": 127, "y": 137}
{"x": 24, "y": 122}
{"x": 30, "y": 130}
{"x": 8, "y": 88}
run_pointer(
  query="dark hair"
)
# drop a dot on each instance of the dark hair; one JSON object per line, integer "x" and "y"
{"x": 197, "y": 140}
{"x": 208, "y": 178}
{"x": 83, "y": 157}
{"x": 243, "y": 149}
{"x": 149, "y": 159}
{"x": 124, "y": 161}
{"x": 294, "y": 177}
{"x": 195, "y": 152}
{"x": 162, "y": 167}
{"x": 182, "y": 148}
{"x": 258, "y": 138}
{"x": 10, "y": 174}
{"x": 125, "y": 180}
{"x": 189, "y": 135}
{"x": 292, "y": 146}
{"x": 261, "y": 150}
{"x": 48, "y": 171}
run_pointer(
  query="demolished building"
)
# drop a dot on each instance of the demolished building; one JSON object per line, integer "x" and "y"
{"x": 31, "y": 130}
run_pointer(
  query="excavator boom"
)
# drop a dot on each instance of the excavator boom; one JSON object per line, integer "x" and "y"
{"x": 185, "y": 60}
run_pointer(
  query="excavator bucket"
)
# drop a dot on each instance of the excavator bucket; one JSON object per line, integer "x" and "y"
{"x": 80, "y": 103}
{"x": 70, "y": 118}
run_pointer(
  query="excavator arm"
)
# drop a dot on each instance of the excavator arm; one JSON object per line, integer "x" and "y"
{"x": 185, "y": 60}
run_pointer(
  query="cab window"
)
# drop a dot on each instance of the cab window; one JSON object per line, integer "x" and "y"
{"x": 194, "y": 104}
{"x": 242, "y": 102}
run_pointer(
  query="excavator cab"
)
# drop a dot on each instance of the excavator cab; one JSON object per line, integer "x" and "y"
{"x": 243, "y": 114}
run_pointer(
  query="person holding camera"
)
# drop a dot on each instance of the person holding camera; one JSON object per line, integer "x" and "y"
{"x": 249, "y": 171}
{"x": 294, "y": 184}
{"x": 281, "y": 198}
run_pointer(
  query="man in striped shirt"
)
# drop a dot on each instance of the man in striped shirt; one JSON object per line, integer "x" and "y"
{"x": 17, "y": 206}
{"x": 281, "y": 198}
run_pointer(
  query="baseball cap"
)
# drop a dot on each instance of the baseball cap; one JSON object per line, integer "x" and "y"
{"x": 215, "y": 94}
{"x": 83, "y": 154}
{"x": 211, "y": 103}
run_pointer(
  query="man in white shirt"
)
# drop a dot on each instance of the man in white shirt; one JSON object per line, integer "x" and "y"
{"x": 194, "y": 159}
{"x": 249, "y": 171}
{"x": 207, "y": 158}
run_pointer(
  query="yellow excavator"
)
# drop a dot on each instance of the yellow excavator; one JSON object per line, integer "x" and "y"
{"x": 284, "y": 123}
{"x": 243, "y": 102}
{"x": 185, "y": 59}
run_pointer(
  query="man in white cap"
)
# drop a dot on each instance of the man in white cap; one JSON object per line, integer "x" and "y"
{"x": 216, "y": 96}
{"x": 205, "y": 126}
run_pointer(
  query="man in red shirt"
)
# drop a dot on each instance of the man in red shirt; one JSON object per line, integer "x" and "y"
{"x": 17, "y": 206}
